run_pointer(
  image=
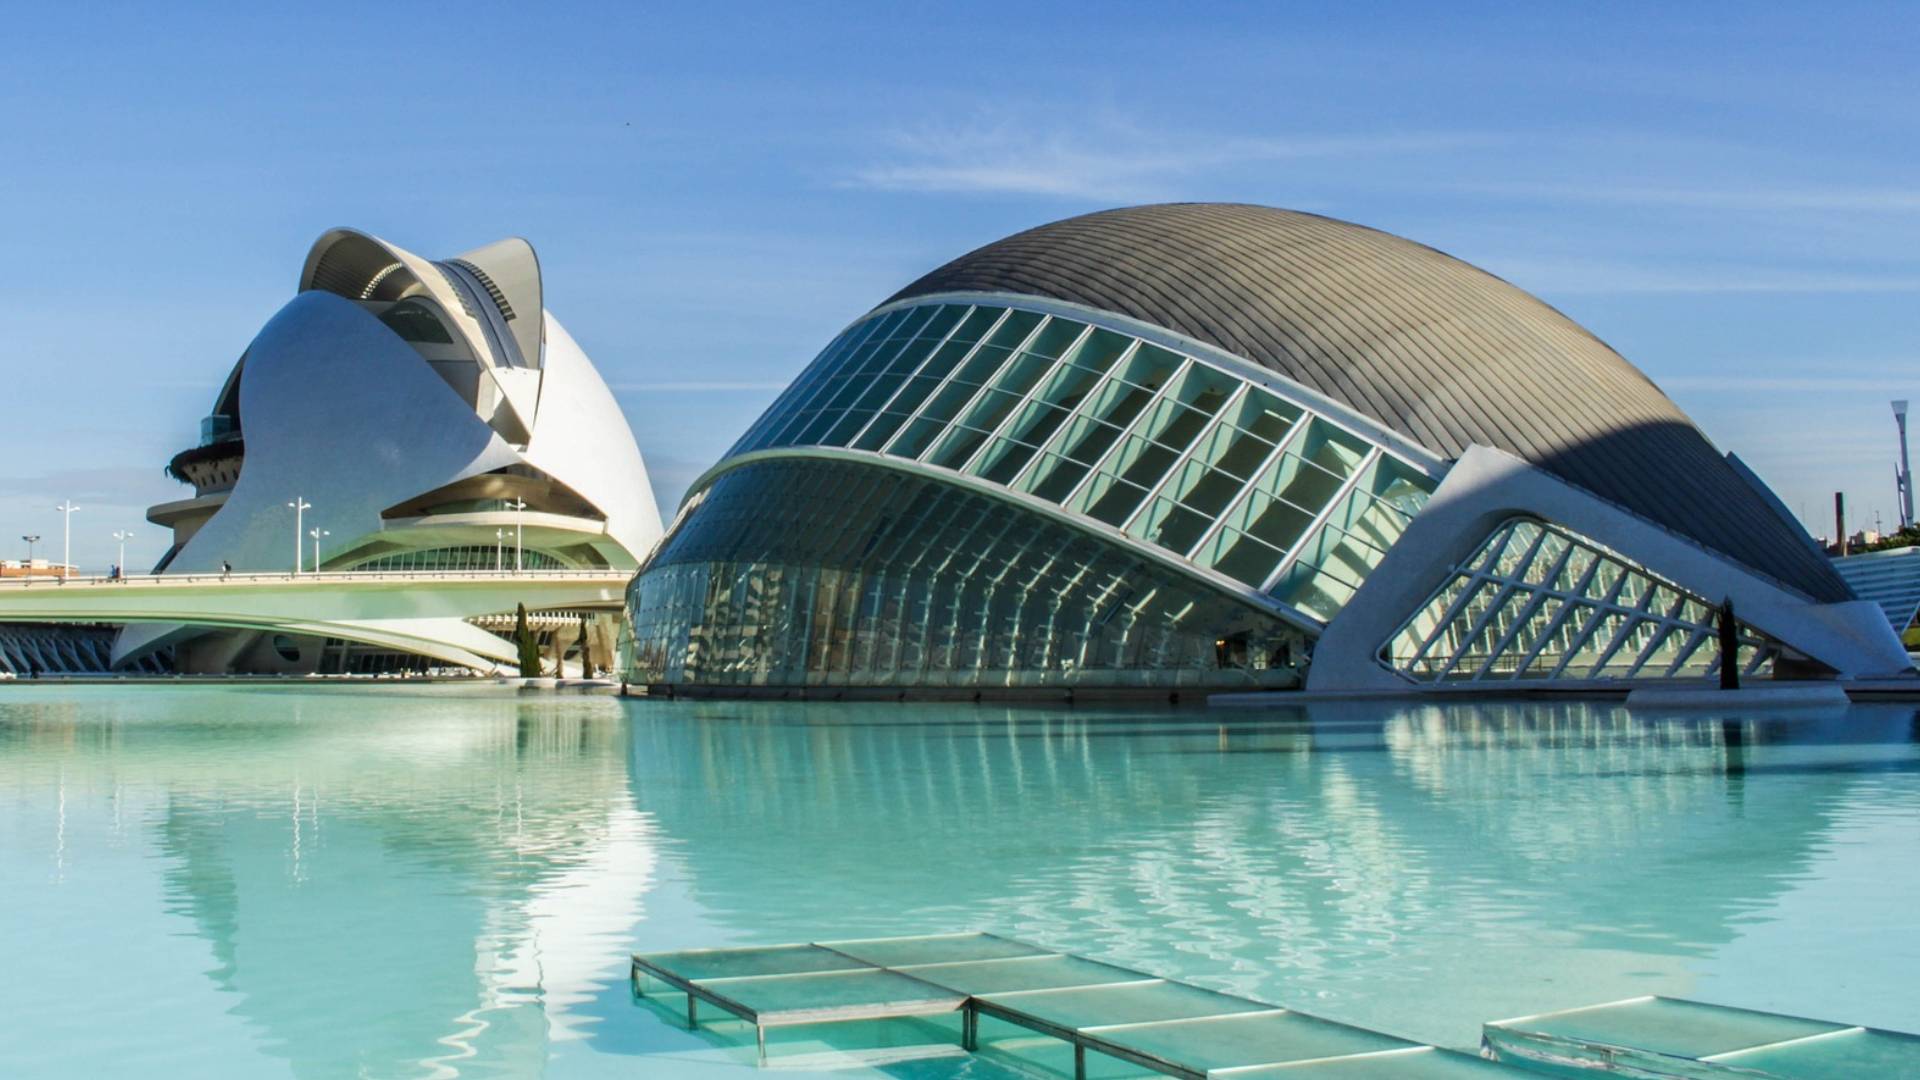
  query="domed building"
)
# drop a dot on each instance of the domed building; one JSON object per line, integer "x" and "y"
{"x": 1227, "y": 446}
{"x": 432, "y": 418}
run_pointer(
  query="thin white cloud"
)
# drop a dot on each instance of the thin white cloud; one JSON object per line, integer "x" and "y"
{"x": 1109, "y": 160}
{"x": 1881, "y": 200}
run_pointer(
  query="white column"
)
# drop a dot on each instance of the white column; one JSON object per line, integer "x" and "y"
{"x": 299, "y": 507}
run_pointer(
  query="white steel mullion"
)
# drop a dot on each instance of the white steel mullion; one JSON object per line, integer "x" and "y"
{"x": 986, "y": 387}
{"x": 1616, "y": 608}
{"x": 911, "y": 375}
{"x": 1534, "y": 600}
{"x": 873, "y": 364}
{"x": 1320, "y": 519}
{"x": 1084, "y": 409}
{"x": 1186, "y": 455}
{"x": 814, "y": 392}
{"x": 1696, "y": 638}
{"x": 919, "y": 410}
{"x": 999, "y": 431}
{"x": 1253, "y": 482}
{"x": 1546, "y": 589}
{"x": 1432, "y": 637}
{"x": 1145, "y": 411}
{"x": 1601, "y": 610}
{"x": 1509, "y": 584}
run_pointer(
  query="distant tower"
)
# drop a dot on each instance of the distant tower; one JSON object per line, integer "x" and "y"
{"x": 1903, "y": 472}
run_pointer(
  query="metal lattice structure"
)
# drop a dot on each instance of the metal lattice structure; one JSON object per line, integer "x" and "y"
{"x": 1539, "y": 602}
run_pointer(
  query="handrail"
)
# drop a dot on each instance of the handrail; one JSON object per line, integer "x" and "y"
{"x": 322, "y": 576}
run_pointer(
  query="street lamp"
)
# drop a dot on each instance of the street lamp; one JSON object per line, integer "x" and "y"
{"x": 31, "y": 540}
{"x": 317, "y": 532}
{"x": 66, "y": 552}
{"x": 518, "y": 504}
{"x": 123, "y": 536}
{"x": 299, "y": 506}
{"x": 499, "y": 542}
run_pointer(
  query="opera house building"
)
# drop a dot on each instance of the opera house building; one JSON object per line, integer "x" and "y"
{"x": 1224, "y": 446}
{"x": 434, "y": 419}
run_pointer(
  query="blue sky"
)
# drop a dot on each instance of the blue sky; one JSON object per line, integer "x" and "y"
{"x": 1725, "y": 193}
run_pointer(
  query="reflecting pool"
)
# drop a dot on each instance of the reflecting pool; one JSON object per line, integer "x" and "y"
{"x": 321, "y": 881}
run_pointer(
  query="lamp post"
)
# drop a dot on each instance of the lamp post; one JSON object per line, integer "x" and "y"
{"x": 317, "y": 532}
{"x": 518, "y": 504}
{"x": 299, "y": 506}
{"x": 123, "y": 536}
{"x": 499, "y": 544}
{"x": 66, "y": 550}
{"x": 31, "y": 540}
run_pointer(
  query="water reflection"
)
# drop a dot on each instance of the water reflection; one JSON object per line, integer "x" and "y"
{"x": 408, "y": 882}
{"x": 1418, "y": 868}
{"x": 388, "y": 883}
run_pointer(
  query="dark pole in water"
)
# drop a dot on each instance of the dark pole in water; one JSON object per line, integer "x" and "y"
{"x": 1729, "y": 647}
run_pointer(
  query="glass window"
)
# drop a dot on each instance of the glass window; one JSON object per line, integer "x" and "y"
{"x": 416, "y": 322}
{"x": 1241, "y": 557}
{"x": 1170, "y": 525}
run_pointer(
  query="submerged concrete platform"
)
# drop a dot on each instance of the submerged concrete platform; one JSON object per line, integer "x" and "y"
{"x": 1159, "y": 1024}
{"x": 1660, "y": 1038}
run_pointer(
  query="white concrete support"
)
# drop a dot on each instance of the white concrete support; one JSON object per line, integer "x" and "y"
{"x": 1487, "y": 486}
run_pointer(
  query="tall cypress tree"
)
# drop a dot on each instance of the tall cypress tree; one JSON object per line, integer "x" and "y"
{"x": 523, "y": 637}
{"x": 586, "y": 649}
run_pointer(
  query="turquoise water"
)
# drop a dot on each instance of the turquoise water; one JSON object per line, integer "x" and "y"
{"x": 437, "y": 881}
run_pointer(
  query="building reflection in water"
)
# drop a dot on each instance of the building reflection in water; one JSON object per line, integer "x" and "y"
{"x": 392, "y": 879}
{"x": 1415, "y": 867}
{"x": 386, "y": 880}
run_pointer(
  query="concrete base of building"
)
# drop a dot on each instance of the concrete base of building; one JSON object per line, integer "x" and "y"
{"x": 1770, "y": 695}
{"x": 1083, "y": 695}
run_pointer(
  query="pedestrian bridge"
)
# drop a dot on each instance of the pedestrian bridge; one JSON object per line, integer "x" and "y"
{"x": 416, "y": 611}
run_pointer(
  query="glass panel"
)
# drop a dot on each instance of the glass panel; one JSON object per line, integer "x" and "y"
{"x": 1546, "y": 559}
{"x": 1320, "y": 591}
{"x": 1053, "y": 478}
{"x": 1271, "y": 520}
{"x": 1150, "y": 367}
{"x": 1002, "y": 461}
{"x": 1013, "y": 330}
{"x": 1205, "y": 389}
{"x": 1406, "y": 646}
{"x": 1574, "y": 571}
{"x": 1170, "y": 525}
{"x": 1203, "y": 490}
{"x": 1511, "y": 658}
{"x": 1109, "y": 499}
{"x": 1626, "y": 654}
{"x": 1240, "y": 557}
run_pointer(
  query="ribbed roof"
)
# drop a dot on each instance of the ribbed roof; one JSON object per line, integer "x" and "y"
{"x": 1436, "y": 349}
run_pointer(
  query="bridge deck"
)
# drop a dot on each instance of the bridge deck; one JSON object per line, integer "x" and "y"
{"x": 1155, "y": 1023}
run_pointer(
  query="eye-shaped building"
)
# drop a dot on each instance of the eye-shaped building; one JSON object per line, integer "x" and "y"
{"x": 1219, "y": 446}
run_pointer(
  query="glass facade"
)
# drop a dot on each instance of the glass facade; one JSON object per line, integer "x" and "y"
{"x": 1163, "y": 447}
{"x": 1539, "y": 602}
{"x": 465, "y": 557}
{"x": 819, "y": 573}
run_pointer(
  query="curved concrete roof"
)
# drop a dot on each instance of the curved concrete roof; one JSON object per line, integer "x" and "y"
{"x": 1430, "y": 346}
